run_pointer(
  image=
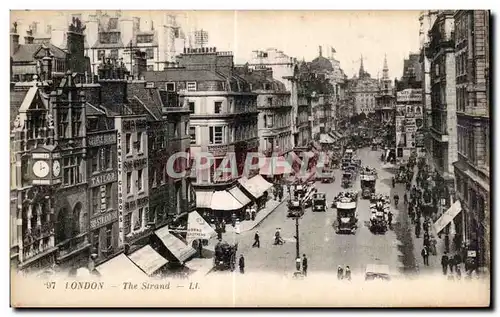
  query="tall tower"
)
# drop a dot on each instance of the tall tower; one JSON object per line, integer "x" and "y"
{"x": 386, "y": 81}
{"x": 361, "y": 68}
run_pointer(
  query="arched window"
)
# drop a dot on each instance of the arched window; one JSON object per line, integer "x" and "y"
{"x": 78, "y": 218}
{"x": 61, "y": 225}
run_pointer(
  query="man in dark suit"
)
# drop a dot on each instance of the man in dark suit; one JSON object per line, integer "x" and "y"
{"x": 256, "y": 239}
{"x": 242, "y": 264}
{"x": 304, "y": 265}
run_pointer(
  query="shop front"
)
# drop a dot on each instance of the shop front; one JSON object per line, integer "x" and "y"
{"x": 149, "y": 261}
{"x": 226, "y": 206}
{"x": 257, "y": 188}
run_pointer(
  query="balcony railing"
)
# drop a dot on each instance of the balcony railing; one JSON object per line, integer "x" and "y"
{"x": 38, "y": 232}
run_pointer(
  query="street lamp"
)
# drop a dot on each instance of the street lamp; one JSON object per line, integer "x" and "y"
{"x": 296, "y": 215}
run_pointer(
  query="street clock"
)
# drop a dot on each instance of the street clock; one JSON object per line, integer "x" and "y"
{"x": 45, "y": 165}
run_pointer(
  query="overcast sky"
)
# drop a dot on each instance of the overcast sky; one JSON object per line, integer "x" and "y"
{"x": 297, "y": 33}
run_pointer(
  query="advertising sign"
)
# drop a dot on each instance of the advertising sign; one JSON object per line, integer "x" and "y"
{"x": 409, "y": 95}
{"x": 121, "y": 235}
{"x": 419, "y": 139}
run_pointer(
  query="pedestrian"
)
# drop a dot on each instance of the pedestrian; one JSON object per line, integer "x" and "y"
{"x": 347, "y": 273}
{"x": 304, "y": 264}
{"x": 393, "y": 182}
{"x": 219, "y": 234}
{"x": 297, "y": 263}
{"x": 233, "y": 219}
{"x": 459, "y": 272}
{"x": 389, "y": 218}
{"x": 241, "y": 263}
{"x": 256, "y": 240}
{"x": 405, "y": 197}
{"x": 451, "y": 264}
{"x": 340, "y": 273}
{"x": 425, "y": 256}
{"x": 281, "y": 193}
{"x": 457, "y": 259}
{"x": 223, "y": 223}
{"x": 444, "y": 263}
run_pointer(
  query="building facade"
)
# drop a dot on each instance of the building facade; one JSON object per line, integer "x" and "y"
{"x": 426, "y": 19}
{"x": 472, "y": 170}
{"x": 224, "y": 113}
{"x": 364, "y": 89}
{"x": 285, "y": 69}
{"x": 443, "y": 128}
{"x": 50, "y": 174}
{"x": 275, "y": 111}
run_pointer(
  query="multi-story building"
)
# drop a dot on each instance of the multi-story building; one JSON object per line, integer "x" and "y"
{"x": 102, "y": 178}
{"x": 426, "y": 19}
{"x": 385, "y": 101}
{"x": 275, "y": 111}
{"x": 49, "y": 143}
{"x": 117, "y": 35}
{"x": 285, "y": 69}
{"x": 26, "y": 59}
{"x": 409, "y": 98}
{"x": 443, "y": 128}
{"x": 364, "y": 88}
{"x": 409, "y": 122}
{"x": 472, "y": 170}
{"x": 223, "y": 120}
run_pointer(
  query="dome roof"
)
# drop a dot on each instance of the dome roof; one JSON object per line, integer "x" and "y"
{"x": 321, "y": 63}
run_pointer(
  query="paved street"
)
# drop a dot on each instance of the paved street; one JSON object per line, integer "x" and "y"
{"x": 324, "y": 248}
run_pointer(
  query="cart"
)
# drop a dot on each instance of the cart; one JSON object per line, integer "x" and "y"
{"x": 319, "y": 202}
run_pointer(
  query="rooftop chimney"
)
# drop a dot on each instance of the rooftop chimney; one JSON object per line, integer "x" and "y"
{"x": 28, "y": 39}
{"x": 14, "y": 39}
{"x": 76, "y": 47}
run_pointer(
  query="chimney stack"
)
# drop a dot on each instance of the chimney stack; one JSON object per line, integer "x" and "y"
{"x": 76, "y": 46}
{"x": 46, "y": 71}
{"x": 28, "y": 39}
{"x": 14, "y": 39}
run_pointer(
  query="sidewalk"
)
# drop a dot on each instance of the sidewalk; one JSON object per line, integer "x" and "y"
{"x": 434, "y": 266}
{"x": 262, "y": 214}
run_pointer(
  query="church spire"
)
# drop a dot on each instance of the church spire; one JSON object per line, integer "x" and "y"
{"x": 361, "y": 68}
{"x": 385, "y": 74}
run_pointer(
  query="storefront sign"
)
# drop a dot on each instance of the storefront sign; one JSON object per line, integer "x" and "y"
{"x": 471, "y": 254}
{"x": 409, "y": 95}
{"x": 134, "y": 125}
{"x": 101, "y": 139}
{"x": 103, "y": 219}
{"x": 138, "y": 203}
{"x": 135, "y": 164}
{"x": 102, "y": 179}
{"x": 121, "y": 235}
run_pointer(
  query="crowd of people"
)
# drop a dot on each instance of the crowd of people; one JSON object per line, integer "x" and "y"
{"x": 422, "y": 221}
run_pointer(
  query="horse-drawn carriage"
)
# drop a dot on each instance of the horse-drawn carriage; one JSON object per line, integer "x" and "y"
{"x": 225, "y": 256}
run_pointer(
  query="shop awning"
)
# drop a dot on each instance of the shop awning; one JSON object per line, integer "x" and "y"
{"x": 204, "y": 198}
{"x": 120, "y": 266}
{"x": 448, "y": 216}
{"x": 256, "y": 185}
{"x": 223, "y": 200}
{"x": 325, "y": 138}
{"x": 179, "y": 249}
{"x": 148, "y": 259}
{"x": 240, "y": 196}
{"x": 201, "y": 266}
{"x": 276, "y": 165}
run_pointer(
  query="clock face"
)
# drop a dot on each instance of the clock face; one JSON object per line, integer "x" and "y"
{"x": 56, "y": 168}
{"x": 41, "y": 169}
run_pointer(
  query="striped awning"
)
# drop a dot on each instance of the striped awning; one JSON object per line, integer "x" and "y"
{"x": 240, "y": 196}
{"x": 148, "y": 259}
